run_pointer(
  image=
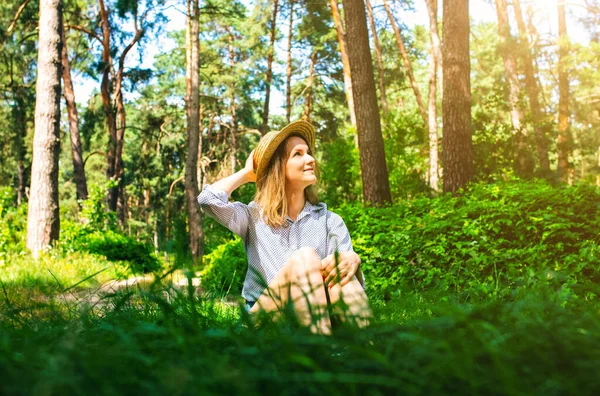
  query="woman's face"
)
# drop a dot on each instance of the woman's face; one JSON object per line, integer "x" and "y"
{"x": 300, "y": 165}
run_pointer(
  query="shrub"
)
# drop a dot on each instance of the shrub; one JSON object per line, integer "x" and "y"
{"x": 225, "y": 269}
{"x": 13, "y": 223}
{"x": 490, "y": 240}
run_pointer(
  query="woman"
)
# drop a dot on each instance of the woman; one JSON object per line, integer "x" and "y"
{"x": 290, "y": 237}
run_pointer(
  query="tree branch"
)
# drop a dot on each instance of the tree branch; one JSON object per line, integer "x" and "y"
{"x": 17, "y": 15}
{"x": 84, "y": 30}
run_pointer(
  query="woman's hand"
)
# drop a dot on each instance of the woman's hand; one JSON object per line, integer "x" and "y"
{"x": 348, "y": 264}
{"x": 249, "y": 168}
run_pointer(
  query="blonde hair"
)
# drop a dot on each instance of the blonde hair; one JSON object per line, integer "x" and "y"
{"x": 270, "y": 189}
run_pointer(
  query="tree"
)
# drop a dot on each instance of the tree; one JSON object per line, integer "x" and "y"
{"x": 434, "y": 64}
{"x": 76, "y": 151}
{"x": 407, "y": 64}
{"x": 342, "y": 42}
{"x": 384, "y": 103}
{"x": 111, "y": 39}
{"x": 563, "y": 142}
{"x": 456, "y": 104}
{"x": 18, "y": 55}
{"x": 376, "y": 189}
{"x": 43, "y": 220}
{"x": 524, "y": 165}
{"x": 532, "y": 91}
{"x": 193, "y": 128}
{"x": 309, "y": 87}
{"x": 269, "y": 76}
{"x": 432, "y": 11}
{"x": 288, "y": 79}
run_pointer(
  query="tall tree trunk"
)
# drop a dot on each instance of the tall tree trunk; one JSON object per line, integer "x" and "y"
{"x": 232, "y": 107}
{"x": 532, "y": 91}
{"x": 456, "y": 104}
{"x": 115, "y": 112}
{"x": 309, "y": 86}
{"x": 122, "y": 123}
{"x": 43, "y": 217}
{"x": 20, "y": 118}
{"x": 378, "y": 54}
{"x": 199, "y": 167}
{"x": 563, "y": 142}
{"x": 524, "y": 165}
{"x": 288, "y": 80}
{"x": 269, "y": 78}
{"x": 407, "y": 64}
{"x": 376, "y": 188}
{"x": 193, "y": 131}
{"x": 111, "y": 120}
{"x": 432, "y": 109}
{"x": 432, "y": 10}
{"x": 76, "y": 151}
{"x": 341, "y": 35}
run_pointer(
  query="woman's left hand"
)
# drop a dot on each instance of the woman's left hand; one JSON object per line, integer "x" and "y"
{"x": 348, "y": 263}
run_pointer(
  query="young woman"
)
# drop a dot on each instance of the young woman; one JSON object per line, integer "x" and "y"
{"x": 290, "y": 237}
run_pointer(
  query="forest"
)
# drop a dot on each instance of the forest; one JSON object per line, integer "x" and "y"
{"x": 457, "y": 139}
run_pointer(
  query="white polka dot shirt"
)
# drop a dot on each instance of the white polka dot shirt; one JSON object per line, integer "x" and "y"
{"x": 269, "y": 248}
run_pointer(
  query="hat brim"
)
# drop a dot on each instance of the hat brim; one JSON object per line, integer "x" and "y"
{"x": 301, "y": 128}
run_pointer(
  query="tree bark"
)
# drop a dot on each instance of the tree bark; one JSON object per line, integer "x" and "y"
{"x": 378, "y": 54}
{"x": 269, "y": 77}
{"x": 432, "y": 10}
{"x": 43, "y": 220}
{"x": 20, "y": 118}
{"x": 376, "y": 189}
{"x": 563, "y": 142}
{"x": 341, "y": 35}
{"x": 309, "y": 86}
{"x": 76, "y": 151}
{"x": 456, "y": 104}
{"x": 532, "y": 91}
{"x": 111, "y": 120}
{"x": 232, "y": 106}
{"x": 432, "y": 107}
{"x": 193, "y": 131}
{"x": 288, "y": 80}
{"x": 407, "y": 64}
{"x": 115, "y": 110}
{"x": 524, "y": 165}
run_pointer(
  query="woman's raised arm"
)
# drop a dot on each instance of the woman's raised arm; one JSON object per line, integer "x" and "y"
{"x": 214, "y": 200}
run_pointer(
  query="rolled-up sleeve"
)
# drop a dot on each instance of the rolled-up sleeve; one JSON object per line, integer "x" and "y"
{"x": 339, "y": 239}
{"x": 233, "y": 215}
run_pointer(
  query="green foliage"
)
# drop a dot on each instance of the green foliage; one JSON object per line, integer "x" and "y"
{"x": 13, "y": 223}
{"x": 340, "y": 171}
{"x": 406, "y": 150}
{"x": 225, "y": 269}
{"x": 99, "y": 235}
{"x": 157, "y": 342}
{"x": 489, "y": 241}
{"x": 119, "y": 247}
{"x": 54, "y": 272}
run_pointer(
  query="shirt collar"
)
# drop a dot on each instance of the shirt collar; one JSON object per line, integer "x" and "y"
{"x": 308, "y": 209}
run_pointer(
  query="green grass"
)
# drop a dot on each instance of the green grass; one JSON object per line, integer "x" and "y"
{"x": 149, "y": 342}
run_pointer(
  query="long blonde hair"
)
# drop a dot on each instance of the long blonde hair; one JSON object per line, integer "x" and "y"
{"x": 270, "y": 189}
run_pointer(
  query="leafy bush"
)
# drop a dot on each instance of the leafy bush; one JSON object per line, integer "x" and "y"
{"x": 490, "y": 240}
{"x": 120, "y": 247}
{"x": 13, "y": 223}
{"x": 99, "y": 235}
{"x": 225, "y": 269}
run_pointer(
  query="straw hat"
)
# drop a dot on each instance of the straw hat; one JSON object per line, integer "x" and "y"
{"x": 269, "y": 143}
